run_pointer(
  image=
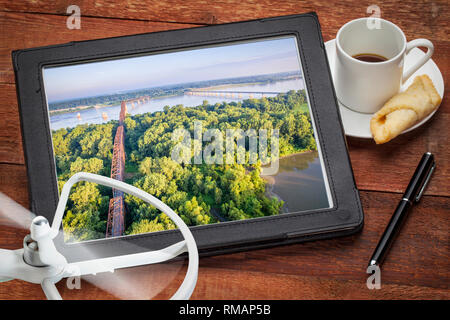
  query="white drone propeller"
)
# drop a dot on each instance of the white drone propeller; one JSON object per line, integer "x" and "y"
{"x": 40, "y": 262}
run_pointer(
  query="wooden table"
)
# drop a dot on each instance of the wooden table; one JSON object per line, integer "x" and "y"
{"x": 418, "y": 264}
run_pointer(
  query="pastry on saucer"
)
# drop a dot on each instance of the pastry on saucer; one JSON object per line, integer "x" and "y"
{"x": 405, "y": 109}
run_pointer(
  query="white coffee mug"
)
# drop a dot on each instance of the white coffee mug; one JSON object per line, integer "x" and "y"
{"x": 365, "y": 86}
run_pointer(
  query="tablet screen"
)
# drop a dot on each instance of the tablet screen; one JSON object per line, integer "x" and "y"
{"x": 219, "y": 133}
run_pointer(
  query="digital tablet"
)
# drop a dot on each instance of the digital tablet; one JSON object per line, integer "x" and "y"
{"x": 234, "y": 126}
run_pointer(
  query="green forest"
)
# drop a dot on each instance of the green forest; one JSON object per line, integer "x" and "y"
{"x": 201, "y": 194}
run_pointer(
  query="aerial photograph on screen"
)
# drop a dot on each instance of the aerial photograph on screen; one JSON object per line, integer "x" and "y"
{"x": 117, "y": 118}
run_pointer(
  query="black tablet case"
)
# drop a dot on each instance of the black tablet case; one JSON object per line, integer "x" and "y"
{"x": 346, "y": 216}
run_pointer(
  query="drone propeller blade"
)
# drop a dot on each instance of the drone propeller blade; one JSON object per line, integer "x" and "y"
{"x": 135, "y": 282}
{"x": 130, "y": 278}
{"x": 110, "y": 264}
{"x": 13, "y": 214}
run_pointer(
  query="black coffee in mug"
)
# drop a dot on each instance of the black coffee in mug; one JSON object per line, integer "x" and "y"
{"x": 369, "y": 57}
{"x": 362, "y": 84}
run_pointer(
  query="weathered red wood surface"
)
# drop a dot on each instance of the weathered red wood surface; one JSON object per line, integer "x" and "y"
{"x": 418, "y": 264}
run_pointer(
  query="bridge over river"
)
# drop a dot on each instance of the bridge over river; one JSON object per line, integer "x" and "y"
{"x": 230, "y": 94}
{"x": 116, "y": 214}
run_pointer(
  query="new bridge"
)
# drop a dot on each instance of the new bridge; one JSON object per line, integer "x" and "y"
{"x": 230, "y": 94}
{"x": 137, "y": 101}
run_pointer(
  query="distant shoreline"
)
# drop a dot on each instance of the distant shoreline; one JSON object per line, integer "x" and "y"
{"x": 69, "y": 110}
{"x": 228, "y": 85}
{"x": 100, "y": 106}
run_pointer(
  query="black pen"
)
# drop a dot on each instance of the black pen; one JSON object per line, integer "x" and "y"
{"x": 412, "y": 195}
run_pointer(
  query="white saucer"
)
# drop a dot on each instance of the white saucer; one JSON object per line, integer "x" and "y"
{"x": 357, "y": 124}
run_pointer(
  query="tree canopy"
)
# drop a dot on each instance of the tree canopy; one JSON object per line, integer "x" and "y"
{"x": 200, "y": 193}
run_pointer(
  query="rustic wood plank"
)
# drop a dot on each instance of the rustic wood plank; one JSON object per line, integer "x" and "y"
{"x": 390, "y": 166}
{"x": 225, "y": 284}
{"x": 370, "y": 169}
{"x": 422, "y": 246}
{"x": 31, "y": 30}
{"x": 417, "y": 266}
{"x": 385, "y": 167}
{"x": 21, "y": 31}
{"x": 14, "y": 182}
{"x": 429, "y": 18}
{"x": 294, "y": 287}
{"x": 11, "y": 149}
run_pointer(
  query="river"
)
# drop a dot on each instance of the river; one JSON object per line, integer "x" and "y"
{"x": 299, "y": 183}
{"x": 97, "y": 115}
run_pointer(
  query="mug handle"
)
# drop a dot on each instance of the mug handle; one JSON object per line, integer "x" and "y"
{"x": 413, "y": 44}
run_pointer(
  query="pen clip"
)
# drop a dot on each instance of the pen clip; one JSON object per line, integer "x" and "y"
{"x": 419, "y": 195}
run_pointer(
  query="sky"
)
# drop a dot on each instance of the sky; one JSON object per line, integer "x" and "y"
{"x": 225, "y": 61}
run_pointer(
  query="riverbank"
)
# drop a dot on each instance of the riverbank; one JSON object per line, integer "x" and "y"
{"x": 293, "y": 179}
{"x": 270, "y": 179}
{"x": 234, "y": 85}
{"x": 69, "y": 110}
{"x": 101, "y": 106}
